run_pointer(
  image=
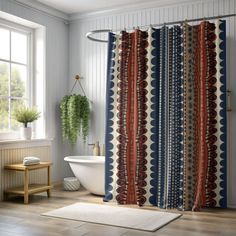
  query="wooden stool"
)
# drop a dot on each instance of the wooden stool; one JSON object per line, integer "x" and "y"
{"x": 28, "y": 189}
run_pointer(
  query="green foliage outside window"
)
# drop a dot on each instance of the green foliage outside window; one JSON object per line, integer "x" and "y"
{"x": 17, "y": 90}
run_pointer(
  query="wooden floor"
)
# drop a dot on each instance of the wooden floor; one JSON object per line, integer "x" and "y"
{"x": 25, "y": 220}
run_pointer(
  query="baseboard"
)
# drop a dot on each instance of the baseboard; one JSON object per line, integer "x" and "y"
{"x": 233, "y": 206}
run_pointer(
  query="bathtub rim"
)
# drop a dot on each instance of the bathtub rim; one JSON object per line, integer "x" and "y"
{"x": 85, "y": 159}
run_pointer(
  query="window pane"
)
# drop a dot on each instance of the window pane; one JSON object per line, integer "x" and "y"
{"x": 4, "y": 78}
{"x": 19, "y": 47}
{"x": 4, "y": 44}
{"x": 18, "y": 80}
{"x": 4, "y": 121}
{"x": 15, "y": 103}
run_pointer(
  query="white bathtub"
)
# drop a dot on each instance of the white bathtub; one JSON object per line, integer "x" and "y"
{"x": 90, "y": 170}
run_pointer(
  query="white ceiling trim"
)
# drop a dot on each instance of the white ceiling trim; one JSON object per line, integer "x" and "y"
{"x": 39, "y": 7}
{"x": 50, "y": 11}
{"x": 128, "y": 8}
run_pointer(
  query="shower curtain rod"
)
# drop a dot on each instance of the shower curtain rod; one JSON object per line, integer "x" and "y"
{"x": 93, "y": 32}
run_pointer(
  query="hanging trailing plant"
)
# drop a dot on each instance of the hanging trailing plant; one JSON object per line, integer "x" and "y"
{"x": 75, "y": 115}
{"x": 85, "y": 116}
{"x": 64, "y": 117}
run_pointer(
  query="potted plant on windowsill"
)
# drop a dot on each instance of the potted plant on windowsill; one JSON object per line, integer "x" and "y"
{"x": 26, "y": 115}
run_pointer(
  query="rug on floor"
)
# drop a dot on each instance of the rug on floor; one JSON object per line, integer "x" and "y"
{"x": 139, "y": 219}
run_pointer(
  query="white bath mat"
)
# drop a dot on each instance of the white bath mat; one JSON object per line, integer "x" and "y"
{"x": 140, "y": 219}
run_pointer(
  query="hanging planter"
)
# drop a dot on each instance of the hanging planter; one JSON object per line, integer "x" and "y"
{"x": 75, "y": 116}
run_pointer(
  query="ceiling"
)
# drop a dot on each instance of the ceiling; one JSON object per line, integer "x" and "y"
{"x": 82, "y": 6}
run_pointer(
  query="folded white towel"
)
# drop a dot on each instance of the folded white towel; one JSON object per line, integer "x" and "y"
{"x": 31, "y": 160}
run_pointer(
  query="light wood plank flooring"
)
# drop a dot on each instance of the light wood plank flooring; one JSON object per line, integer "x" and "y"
{"x": 19, "y": 219}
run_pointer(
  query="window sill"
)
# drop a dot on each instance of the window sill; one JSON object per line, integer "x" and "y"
{"x": 20, "y": 143}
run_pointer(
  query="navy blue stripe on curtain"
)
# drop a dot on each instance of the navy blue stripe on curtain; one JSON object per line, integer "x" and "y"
{"x": 162, "y": 124}
{"x": 155, "y": 113}
{"x": 109, "y": 118}
{"x": 222, "y": 36}
{"x": 175, "y": 114}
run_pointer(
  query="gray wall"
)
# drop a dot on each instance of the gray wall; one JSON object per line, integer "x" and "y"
{"x": 57, "y": 58}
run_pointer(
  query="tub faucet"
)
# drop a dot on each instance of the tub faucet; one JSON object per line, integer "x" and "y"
{"x": 96, "y": 148}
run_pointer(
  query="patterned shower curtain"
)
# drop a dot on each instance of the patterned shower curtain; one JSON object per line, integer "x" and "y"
{"x": 166, "y": 117}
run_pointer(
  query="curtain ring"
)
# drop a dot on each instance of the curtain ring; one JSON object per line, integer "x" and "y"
{"x": 185, "y": 22}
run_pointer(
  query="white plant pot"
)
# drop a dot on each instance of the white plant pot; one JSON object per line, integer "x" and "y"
{"x": 26, "y": 133}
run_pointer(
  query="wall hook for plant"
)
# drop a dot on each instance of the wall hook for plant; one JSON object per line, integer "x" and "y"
{"x": 77, "y": 80}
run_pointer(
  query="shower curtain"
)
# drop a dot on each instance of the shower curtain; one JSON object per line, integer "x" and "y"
{"x": 166, "y": 117}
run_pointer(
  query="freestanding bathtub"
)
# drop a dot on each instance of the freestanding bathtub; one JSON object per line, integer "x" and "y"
{"x": 90, "y": 170}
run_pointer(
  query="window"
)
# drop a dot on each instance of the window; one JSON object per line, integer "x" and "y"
{"x": 22, "y": 73}
{"x": 15, "y": 79}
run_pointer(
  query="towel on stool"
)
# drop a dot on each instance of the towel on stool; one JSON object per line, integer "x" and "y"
{"x": 31, "y": 161}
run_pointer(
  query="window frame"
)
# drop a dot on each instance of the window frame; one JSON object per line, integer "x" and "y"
{"x": 30, "y": 88}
